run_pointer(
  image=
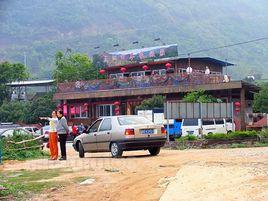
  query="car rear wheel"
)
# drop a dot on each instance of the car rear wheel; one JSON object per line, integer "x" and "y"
{"x": 154, "y": 151}
{"x": 81, "y": 150}
{"x": 116, "y": 150}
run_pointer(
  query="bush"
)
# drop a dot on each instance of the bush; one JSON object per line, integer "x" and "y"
{"x": 187, "y": 138}
{"x": 264, "y": 133}
{"x": 12, "y": 151}
{"x": 233, "y": 135}
{"x": 216, "y": 136}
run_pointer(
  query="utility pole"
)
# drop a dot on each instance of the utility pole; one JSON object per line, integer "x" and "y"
{"x": 25, "y": 59}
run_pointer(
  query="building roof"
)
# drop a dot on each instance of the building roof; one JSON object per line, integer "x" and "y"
{"x": 163, "y": 60}
{"x": 31, "y": 83}
{"x": 209, "y": 59}
{"x": 137, "y": 50}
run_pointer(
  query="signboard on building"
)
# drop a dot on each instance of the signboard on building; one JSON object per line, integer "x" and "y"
{"x": 180, "y": 110}
{"x": 134, "y": 56}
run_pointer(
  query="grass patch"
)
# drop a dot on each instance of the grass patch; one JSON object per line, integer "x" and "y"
{"x": 237, "y": 145}
{"x": 22, "y": 184}
{"x": 261, "y": 144}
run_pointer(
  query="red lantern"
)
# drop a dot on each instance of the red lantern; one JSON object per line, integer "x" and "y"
{"x": 237, "y": 104}
{"x": 123, "y": 70}
{"x": 168, "y": 65}
{"x": 102, "y": 71}
{"x": 72, "y": 110}
{"x": 65, "y": 109}
{"x": 116, "y": 103}
{"x": 145, "y": 67}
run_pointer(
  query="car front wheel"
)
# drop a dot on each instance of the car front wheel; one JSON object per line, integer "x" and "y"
{"x": 154, "y": 151}
{"x": 81, "y": 150}
{"x": 116, "y": 150}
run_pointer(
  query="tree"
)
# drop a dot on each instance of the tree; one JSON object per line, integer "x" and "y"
{"x": 199, "y": 96}
{"x": 260, "y": 103}
{"x": 73, "y": 66}
{"x": 27, "y": 112}
{"x": 13, "y": 111}
{"x": 8, "y": 73}
{"x": 40, "y": 107}
{"x": 157, "y": 101}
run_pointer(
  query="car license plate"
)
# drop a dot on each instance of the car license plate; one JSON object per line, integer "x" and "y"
{"x": 147, "y": 131}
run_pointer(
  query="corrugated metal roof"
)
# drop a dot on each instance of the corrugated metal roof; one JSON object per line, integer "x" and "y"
{"x": 31, "y": 83}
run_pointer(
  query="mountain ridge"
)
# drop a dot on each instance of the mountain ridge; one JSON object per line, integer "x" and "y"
{"x": 40, "y": 28}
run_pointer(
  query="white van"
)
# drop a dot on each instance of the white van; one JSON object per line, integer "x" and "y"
{"x": 198, "y": 127}
{"x": 191, "y": 127}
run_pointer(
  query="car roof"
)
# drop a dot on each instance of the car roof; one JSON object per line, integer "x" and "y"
{"x": 119, "y": 116}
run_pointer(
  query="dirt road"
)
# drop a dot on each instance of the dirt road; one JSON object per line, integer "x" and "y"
{"x": 220, "y": 174}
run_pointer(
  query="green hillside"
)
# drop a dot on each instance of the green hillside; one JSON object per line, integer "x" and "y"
{"x": 39, "y": 28}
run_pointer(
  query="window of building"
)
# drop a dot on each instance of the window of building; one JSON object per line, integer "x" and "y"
{"x": 79, "y": 111}
{"x": 112, "y": 76}
{"x": 137, "y": 74}
{"x": 105, "y": 110}
{"x": 182, "y": 70}
{"x": 106, "y": 125}
{"x": 116, "y": 75}
{"x": 159, "y": 72}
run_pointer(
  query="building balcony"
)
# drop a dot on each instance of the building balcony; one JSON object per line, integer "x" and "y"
{"x": 131, "y": 86}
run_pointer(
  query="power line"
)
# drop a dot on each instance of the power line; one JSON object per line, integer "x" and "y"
{"x": 224, "y": 46}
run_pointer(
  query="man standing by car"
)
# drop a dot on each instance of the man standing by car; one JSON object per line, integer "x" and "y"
{"x": 62, "y": 130}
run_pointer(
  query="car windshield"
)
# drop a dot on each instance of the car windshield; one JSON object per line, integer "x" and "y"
{"x": 133, "y": 120}
{"x": 190, "y": 122}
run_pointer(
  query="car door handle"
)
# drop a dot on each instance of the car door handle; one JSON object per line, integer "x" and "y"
{"x": 108, "y": 133}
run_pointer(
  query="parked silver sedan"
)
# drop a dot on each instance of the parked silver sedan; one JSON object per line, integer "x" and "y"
{"x": 121, "y": 133}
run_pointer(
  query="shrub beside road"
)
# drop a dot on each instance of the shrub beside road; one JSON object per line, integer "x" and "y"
{"x": 237, "y": 139}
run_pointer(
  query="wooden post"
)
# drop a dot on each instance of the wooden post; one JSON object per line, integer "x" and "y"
{"x": 128, "y": 108}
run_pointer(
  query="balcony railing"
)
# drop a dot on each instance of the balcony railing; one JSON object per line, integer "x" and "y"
{"x": 141, "y": 82}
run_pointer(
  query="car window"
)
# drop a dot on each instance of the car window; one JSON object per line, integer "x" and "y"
{"x": 28, "y": 129}
{"x": 133, "y": 120}
{"x": 219, "y": 121}
{"x": 95, "y": 126}
{"x": 8, "y": 132}
{"x": 190, "y": 122}
{"x": 229, "y": 120}
{"x": 106, "y": 125}
{"x": 207, "y": 122}
{"x": 35, "y": 129}
{"x": 23, "y": 132}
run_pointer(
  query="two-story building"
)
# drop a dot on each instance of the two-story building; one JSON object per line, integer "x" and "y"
{"x": 127, "y": 84}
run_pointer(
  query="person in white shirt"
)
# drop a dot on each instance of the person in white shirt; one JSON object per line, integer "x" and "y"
{"x": 207, "y": 71}
{"x": 189, "y": 70}
{"x": 226, "y": 78}
{"x": 53, "y": 136}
